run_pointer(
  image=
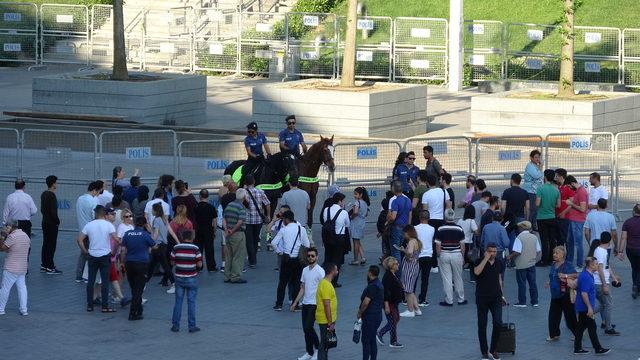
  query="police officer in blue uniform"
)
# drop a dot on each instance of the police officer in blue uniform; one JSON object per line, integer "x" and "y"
{"x": 407, "y": 174}
{"x": 291, "y": 139}
{"x": 253, "y": 143}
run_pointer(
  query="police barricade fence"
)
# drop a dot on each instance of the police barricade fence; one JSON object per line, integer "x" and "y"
{"x": 597, "y": 54}
{"x": 312, "y": 44}
{"x": 64, "y": 34}
{"x": 9, "y": 153}
{"x": 631, "y": 57}
{"x": 455, "y": 153}
{"x": 627, "y": 172}
{"x": 420, "y": 48}
{"x": 484, "y": 47}
{"x": 366, "y": 160}
{"x": 262, "y": 43}
{"x": 101, "y": 39}
{"x": 153, "y": 152}
{"x": 215, "y": 40}
{"x": 373, "y": 46}
{"x": 19, "y": 32}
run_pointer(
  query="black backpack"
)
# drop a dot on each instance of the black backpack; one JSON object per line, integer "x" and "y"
{"x": 329, "y": 235}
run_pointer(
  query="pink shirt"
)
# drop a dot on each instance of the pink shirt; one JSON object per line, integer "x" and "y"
{"x": 580, "y": 196}
{"x": 16, "y": 260}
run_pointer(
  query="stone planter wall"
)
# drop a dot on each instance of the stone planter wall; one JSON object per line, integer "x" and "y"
{"x": 390, "y": 111}
{"x": 174, "y": 99}
{"x": 498, "y": 114}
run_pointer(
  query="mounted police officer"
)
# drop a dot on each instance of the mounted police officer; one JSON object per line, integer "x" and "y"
{"x": 291, "y": 139}
{"x": 254, "y": 143}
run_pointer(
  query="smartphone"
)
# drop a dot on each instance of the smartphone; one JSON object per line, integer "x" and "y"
{"x": 395, "y": 246}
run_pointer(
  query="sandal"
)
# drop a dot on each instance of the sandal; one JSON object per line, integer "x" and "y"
{"x": 89, "y": 308}
{"x": 108, "y": 310}
{"x": 363, "y": 261}
{"x": 355, "y": 262}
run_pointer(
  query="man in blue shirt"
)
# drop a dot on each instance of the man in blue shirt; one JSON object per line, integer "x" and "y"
{"x": 253, "y": 143}
{"x": 291, "y": 139}
{"x": 585, "y": 301}
{"x": 496, "y": 233}
{"x": 407, "y": 174}
{"x": 398, "y": 217}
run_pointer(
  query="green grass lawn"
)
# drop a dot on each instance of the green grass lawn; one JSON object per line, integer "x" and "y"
{"x": 609, "y": 13}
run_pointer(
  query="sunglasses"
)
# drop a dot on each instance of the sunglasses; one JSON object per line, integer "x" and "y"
{"x": 411, "y": 158}
{"x": 291, "y": 123}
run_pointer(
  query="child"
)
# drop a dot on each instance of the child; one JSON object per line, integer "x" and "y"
{"x": 188, "y": 260}
{"x": 358, "y": 214}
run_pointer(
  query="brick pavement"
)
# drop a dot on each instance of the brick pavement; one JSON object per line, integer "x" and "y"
{"x": 237, "y": 321}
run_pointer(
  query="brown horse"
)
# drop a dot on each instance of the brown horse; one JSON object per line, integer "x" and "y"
{"x": 320, "y": 153}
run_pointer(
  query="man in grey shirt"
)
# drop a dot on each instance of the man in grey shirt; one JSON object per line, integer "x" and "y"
{"x": 297, "y": 200}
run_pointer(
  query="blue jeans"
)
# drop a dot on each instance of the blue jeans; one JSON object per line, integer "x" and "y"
{"x": 523, "y": 276}
{"x": 190, "y": 286}
{"x": 575, "y": 238}
{"x": 396, "y": 239}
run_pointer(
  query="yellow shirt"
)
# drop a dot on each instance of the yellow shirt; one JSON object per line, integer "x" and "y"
{"x": 326, "y": 292}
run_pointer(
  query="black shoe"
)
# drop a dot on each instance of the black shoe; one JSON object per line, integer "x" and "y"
{"x": 241, "y": 281}
{"x": 337, "y": 285}
{"x": 444, "y": 303}
{"x": 297, "y": 308}
{"x": 53, "y": 271}
{"x": 277, "y": 308}
{"x": 464, "y": 302}
{"x": 612, "y": 332}
{"x": 580, "y": 352}
{"x": 603, "y": 351}
{"x": 603, "y": 326}
{"x": 215, "y": 269}
{"x": 227, "y": 280}
{"x": 175, "y": 329}
{"x": 194, "y": 329}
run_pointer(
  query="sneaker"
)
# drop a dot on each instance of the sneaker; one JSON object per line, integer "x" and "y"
{"x": 485, "y": 356}
{"x": 79, "y": 280}
{"x": 396, "y": 346}
{"x": 494, "y": 355}
{"x": 194, "y": 329}
{"x": 277, "y": 308}
{"x": 423, "y": 304}
{"x": 144, "y": 301}
{"x": 418, "y": 312}
{"x": 221, "y": 269}
{"x": 305, "y": 357}
{"x": 408, "y": 314}
{"x": 315, "y": 355}
{"x": 24, "y": 313}
{"x": 244, "y": 270}
{"x": 463, "y": 302}
{"x": 518, "y": 305}
{"x": 298, "y": 308}
{"x": 554, "y": 338}
{"x": 404, "y": 303}
{"x": 53, "y": 272}
{"x": 44, "y": 269}
{"x": 435, "y": 270}
{"x": 379, "y": 340}
{"x": 215, "y": 269}
{"x": 444, "y": 303}
{"x": 535, "y": 305}
{"x": 2, "y": 312}
{"x": 580, "y": 352}
{"x": 603, "y": 351}
{"x": 172, "y": 290}
{"x": 175, "y": 329}
{"x": 612, "y": 332}
{"x": 603, "y": 326}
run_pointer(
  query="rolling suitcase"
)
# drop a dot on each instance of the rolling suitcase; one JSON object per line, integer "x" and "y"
{"x": 507, "y": 340}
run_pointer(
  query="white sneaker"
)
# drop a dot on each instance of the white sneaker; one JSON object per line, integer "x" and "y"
{"x": 2, "y": 312}
{"x": 305, "y": 357}
{"x": 172, "y": 290}
{"x": 435, "y": 270}
{"x": 24, "y": 313}
{"x": 144, "y": 301}
{"x": 418, "y": 312}
{"x": 408, "y": 314}
{"x": 315, "y": 355}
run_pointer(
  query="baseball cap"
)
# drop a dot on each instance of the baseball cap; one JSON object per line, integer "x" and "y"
{"x": 252, "y": 126}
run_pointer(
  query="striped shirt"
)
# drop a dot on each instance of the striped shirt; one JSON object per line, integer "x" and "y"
{"x": 233, "y": 213}
{"x": 186, "y": 257}
{"x": 449, "y": 236}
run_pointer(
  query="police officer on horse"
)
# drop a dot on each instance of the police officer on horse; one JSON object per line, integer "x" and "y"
{"x": 253, "y": 143}
{"x": 291, "y": 139}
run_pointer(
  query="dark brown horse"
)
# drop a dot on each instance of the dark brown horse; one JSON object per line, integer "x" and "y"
{"x": 320, "y": 153}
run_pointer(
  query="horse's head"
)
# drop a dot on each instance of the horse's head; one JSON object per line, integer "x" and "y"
{"x": 327, "y": 153}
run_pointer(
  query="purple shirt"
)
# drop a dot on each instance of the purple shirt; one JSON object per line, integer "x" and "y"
{"x": 632, "y": 227}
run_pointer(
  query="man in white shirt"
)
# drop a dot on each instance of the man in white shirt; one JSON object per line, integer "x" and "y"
{"x": 436, "y": 200}
{"x": 100, "y": 234}
{"x": 289, "y": 239}
{"x": 84, "y": 213}
{"x": 425, "y": 235}
{"x": 19, "y": 207}
{"x": 311, "y": 276}
{"x": 598, "y": 191}
{"x": 601, "y": 280}
{"x": 158, "y": 196}
{"x": 104, "y": 195}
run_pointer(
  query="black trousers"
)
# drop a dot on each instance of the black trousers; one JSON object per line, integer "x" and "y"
{"x": 557, "y": 307}
{"x": 585, "y": 322}
{"x": 159, "y": 256}
{"x": 549, "y": 231}
{"x": 425, "y": 271}
{"x": 311, "y": 340}
{"x": 204, "y": 240}
{"x": 49, "y": 243}
{"x": 485, "y": 305}
{"x": 436, "y": 223}
{"x": 136, "y": 272}
{"x": 252, "y": 234}
{"x": 290, "y": 271}
{"x": 25, "y": 225}
{"x": 334, "y": 253}
{"x": 103, "y": 265}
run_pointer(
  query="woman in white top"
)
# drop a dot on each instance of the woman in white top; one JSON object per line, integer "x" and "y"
{"x": 358, "y": 215}
{"x": 470, "y": 228}
{"x": 126, "y": 224}
{"x": 335, "y": 249}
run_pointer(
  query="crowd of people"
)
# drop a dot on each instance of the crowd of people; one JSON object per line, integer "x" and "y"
{"x": 544, "y": 218}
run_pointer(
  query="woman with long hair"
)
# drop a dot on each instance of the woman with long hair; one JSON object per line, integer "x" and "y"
{"x": 161, "y": 230}
{"x": 140, "y": 202}
{"x": 358, "y": 214}
{"x": 184, "y": 197}
{"x": 392, "y": 298}
{"x": 399, "y": 161}
{"x": 410, "y": 270}
{"x": 117, "y": 178}
{"x": 470, "y": 228}
{"x": 180, "y": 222}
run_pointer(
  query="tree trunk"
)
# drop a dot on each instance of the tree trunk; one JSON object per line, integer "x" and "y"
{"x": 565, "y": 86}
{"x": 348, "y": 78}
{"x": 119, "y": 54}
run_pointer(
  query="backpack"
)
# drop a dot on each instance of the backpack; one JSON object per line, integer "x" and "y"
{"x": 329, "y": 235}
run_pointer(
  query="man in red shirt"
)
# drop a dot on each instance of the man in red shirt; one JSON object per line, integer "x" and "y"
{"x": 566, "y": 192}
{"x": 576, "y": 215}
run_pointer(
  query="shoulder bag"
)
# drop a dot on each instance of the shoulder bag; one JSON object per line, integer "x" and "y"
{"x": 255, "y": 203}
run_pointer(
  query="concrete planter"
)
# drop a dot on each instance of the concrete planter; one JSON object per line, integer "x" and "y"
{"x": 386, "y": 110}
{"x": 170, "y": 99}
{"x": 499, "y": 114}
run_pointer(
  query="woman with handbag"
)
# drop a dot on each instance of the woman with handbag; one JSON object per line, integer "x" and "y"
{"x": 561, "y": 276}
